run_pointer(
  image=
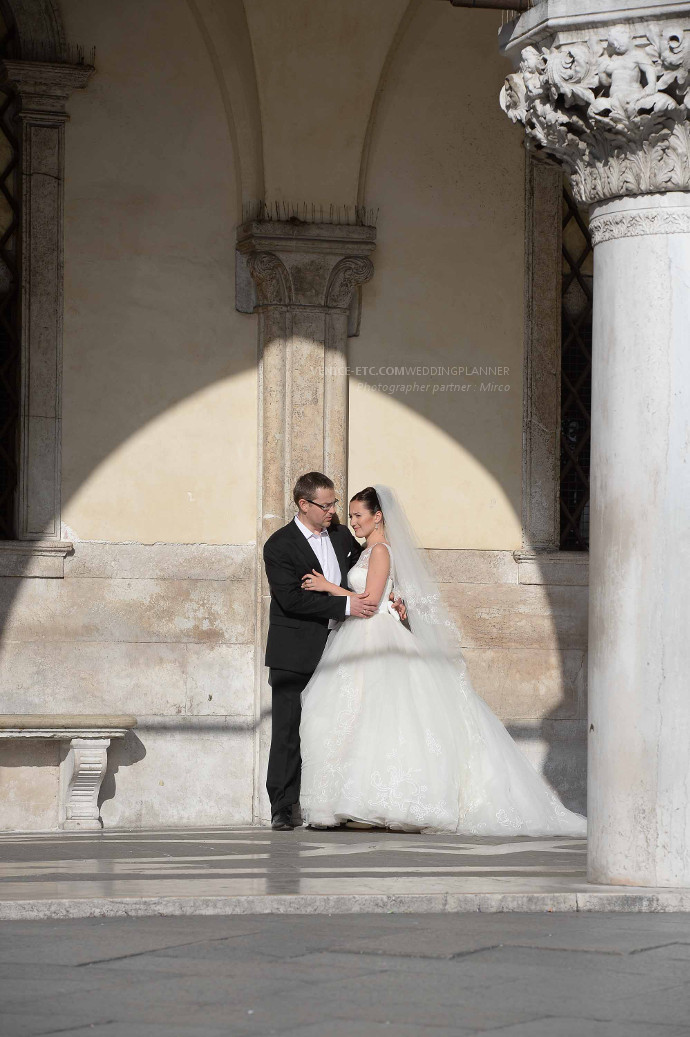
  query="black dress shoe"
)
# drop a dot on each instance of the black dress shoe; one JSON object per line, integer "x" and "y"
{"x": 282, "y": 820}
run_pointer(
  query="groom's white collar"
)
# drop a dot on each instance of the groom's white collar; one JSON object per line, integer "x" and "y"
{"x": 308, "y": 532}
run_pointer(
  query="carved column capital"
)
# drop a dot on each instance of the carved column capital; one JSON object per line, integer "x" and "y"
{"x": 608, "y": 100}
{"x": 314, "y": 265}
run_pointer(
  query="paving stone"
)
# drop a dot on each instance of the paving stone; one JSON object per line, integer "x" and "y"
{"x": 425, "y": 1000}
{"x": 667, "y": 953}
{"x": 452, "y": 935}
{"x": 497, "y": 993}
{"x": 182, "y": 991}
{"x": 427, "y": 1017}
{"x": 313, "y": 969}
{"x": 229, "y": 1000}
{"x": 351, "y": 1028}
{"x": 554, "y": 1026}
{"x": 324, "y": 976}
{"x": 20, "y": 983}
{"x": 80, "y": 941}
{"x": 264, "y": 947}
{"x": 36, "y": 1027}
{"x": 670, "y": 1007}
{"x": 667, "y": 971}
{"x": 26, "y": 1024}
{"x": 611, "y": 940}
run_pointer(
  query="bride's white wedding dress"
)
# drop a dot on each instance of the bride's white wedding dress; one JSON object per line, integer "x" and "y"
{"x": 393, "y": 734}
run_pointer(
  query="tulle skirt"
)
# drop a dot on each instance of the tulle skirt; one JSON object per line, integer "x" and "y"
{"x": 397, "y": 738}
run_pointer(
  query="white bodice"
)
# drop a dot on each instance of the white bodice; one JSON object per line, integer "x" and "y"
{"x": 357, "y": 578}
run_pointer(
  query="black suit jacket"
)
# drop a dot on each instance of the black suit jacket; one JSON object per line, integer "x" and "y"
{"x": 298, "y": 619}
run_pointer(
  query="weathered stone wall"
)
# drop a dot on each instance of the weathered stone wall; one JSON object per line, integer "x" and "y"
{"x": 163, "y": 631}
{"x": 166, "y": 631}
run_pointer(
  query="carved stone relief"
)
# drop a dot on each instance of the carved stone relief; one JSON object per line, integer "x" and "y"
{"x": 611, "y": 108}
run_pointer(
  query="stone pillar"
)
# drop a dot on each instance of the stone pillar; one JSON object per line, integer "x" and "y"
{"x": 605, "y": 95}
{"x": 305, "y": 275}
{"x": 42, "y": 89}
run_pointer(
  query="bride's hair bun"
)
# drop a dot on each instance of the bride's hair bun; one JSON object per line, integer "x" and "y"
{"x": 369, "y": 497}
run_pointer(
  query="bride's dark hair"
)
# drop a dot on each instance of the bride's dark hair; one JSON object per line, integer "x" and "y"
{"x": 369, "y": 497}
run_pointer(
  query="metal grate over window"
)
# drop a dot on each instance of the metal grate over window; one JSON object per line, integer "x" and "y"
{"x": 10, "y": 281}
{"x": 576, "y": 375}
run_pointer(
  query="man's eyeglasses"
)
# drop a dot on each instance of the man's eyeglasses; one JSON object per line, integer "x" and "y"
{"x": 324, "y": 507}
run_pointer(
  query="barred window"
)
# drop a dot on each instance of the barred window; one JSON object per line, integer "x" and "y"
{"x": 10, "y": 284}
{"x": 576, "y": 375}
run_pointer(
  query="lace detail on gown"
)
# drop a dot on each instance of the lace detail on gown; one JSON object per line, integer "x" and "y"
{"x": 395, "y": 735}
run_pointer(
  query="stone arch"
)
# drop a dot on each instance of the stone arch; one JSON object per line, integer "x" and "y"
{"x": 39, "y": 29}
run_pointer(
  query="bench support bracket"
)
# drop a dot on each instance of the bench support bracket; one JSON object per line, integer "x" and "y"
{"x": 86, "y": 766}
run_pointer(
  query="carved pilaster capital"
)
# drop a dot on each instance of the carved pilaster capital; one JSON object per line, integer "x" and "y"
{"x": 609, "y": 102}
{"x": 308, "y": 265}
{"x": 44, "y": 86}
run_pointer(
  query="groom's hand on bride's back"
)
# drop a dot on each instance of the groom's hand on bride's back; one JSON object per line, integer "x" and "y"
{"x": 361, "y": 607}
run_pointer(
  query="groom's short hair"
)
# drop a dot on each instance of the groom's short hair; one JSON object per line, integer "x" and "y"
{"x": 307, "y": 485}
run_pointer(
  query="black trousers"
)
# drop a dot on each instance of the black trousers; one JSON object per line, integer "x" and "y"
{"x": 284, "y": 760}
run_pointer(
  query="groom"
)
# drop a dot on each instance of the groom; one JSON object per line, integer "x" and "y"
{"x": 299, "y": 622}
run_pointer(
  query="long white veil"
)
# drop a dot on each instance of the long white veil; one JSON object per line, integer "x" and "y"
{"x": 429, "y": 618}
{"x": 498, "y": 788}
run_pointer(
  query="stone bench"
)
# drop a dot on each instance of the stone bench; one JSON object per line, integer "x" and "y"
{"x": 84, "y": 768}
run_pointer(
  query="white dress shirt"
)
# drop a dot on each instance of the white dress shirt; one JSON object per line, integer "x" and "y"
{"x": 322, "y": 547}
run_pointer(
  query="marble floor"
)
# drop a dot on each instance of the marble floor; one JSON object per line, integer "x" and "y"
{"x": 236, "y": 870}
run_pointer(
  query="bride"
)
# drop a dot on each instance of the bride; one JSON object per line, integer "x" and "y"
{"x": 392, "y": 732}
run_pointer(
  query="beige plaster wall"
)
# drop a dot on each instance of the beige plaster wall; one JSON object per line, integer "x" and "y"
{"x": 165, "y": 632}
{"x": 388, "y": 104}
{"x": 159, "y": 400}
{"x": 446, "y": 170}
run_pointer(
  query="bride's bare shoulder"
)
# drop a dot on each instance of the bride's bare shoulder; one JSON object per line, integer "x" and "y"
{"x": 380, "y": 551}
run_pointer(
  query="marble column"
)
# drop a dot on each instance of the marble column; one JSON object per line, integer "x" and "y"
{"x": 305, "y": 276}
{"x": 602, "y": 89}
